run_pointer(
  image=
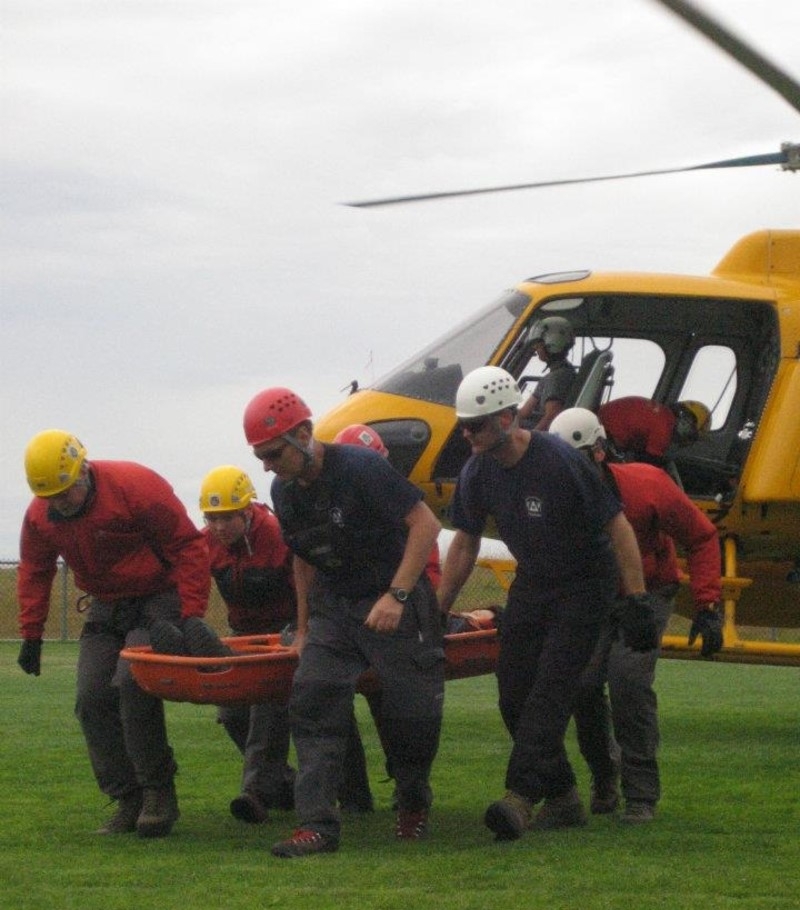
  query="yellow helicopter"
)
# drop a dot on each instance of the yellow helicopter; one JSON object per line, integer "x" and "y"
{"x": 730, "y": 339}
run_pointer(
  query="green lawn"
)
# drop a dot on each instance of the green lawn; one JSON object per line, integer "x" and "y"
{"x": 727, "y": 836}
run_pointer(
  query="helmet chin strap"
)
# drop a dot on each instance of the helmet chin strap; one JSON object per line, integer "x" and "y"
{"x": 306, "y": 451}
{"x": 248, "y": 520}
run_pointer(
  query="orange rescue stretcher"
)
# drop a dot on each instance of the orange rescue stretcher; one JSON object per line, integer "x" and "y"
{"x": 261, "y": 669}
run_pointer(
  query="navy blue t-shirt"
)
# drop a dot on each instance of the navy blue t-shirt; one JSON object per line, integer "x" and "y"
{"x": 350, "y": 522}
{"x": 550, "y": 509}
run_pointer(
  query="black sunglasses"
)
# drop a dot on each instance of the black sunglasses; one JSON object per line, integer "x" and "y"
{"x": 474, "y": 426}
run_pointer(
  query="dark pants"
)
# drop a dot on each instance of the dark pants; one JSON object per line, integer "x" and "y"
{"x": 634, "y": 709}
{"x": 261, "y": 733}
{"x": 543, "y": 651}
{"x": 123, "y": 726}
{"x": 410, "y": 666}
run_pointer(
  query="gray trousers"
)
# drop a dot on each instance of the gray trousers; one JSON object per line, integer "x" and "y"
{"x": 410, "y": 666}
{"x": 261, "y": 733}
{"x": 633, "y": 708}
{"x": 123, "y": 726}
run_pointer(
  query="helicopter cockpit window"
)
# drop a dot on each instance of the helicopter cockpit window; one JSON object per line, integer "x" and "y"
{"x": 435, "y": 374}
{"x": 712, "y": 380}
{"x": 638, "y": 365}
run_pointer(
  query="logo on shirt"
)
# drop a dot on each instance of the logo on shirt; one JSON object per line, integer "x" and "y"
{"x": 533, "y": 506}
{"x": 336, "y": 517}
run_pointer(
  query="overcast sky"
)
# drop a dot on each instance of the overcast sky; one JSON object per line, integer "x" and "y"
{"x": 172, "y": 171}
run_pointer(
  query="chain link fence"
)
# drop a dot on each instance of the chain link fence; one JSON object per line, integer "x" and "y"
{"x": 484, "y": 588}
{"x": 65, "y": 620}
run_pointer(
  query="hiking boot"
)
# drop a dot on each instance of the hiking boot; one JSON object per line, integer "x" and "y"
{"x": 247, "y": 807}
{"x": 201, "y": 640}
{"x": 159, "y": 812}
{"x": 638, "y": 812}
{"x": 604, "y": 796}
{"x": 411, "y": 825}
{"x": 560, "y": 812}
{"x": 123, "y": 821}
{"x": 166, "y": 638}
{"x": 509, "y": 817}
{"x": 304, "y": 842}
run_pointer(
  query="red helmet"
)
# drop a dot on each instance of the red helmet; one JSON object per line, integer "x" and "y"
{"x": 272, "y": 413}
{"x": 359, "y": 434}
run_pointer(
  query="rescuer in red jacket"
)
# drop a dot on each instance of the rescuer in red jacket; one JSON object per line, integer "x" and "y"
{"x": 644, "y": 430}
{"x": 661, "y": 514}
{"x": 252, "y": 569}
{"x": 134, "y": 550}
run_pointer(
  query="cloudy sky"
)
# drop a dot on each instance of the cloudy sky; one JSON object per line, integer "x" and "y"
{"x": 171, "y": 175}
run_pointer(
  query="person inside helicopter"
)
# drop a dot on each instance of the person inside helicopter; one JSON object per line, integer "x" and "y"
{"x": 552, "y": 339}
{"x": 640, "y": 429}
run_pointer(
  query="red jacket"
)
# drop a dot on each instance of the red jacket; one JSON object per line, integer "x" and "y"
{"x": 254, "y": 576}
{"x": 133, "y": 539}
{"x": 661, "y": 513}
{"x": 638, "y": 425}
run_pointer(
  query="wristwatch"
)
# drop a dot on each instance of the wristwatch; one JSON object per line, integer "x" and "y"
{"x": 399, "y": 594}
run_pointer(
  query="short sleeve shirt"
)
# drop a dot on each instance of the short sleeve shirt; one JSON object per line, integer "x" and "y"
{"x": 350, "y": 522}
{"x": 550, "y": 509}
{"x": 555, "y": 385}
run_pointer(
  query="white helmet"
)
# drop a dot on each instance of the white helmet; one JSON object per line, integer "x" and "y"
{"x": 555, "y": 333}
{"x": 485, "y": 391}
{"x": 579, "y": 427}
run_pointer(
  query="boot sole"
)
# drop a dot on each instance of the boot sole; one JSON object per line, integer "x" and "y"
{"x": 247, "y": 811}
{"x": 604, "y": 807}
{"x": 159, "y": 828}
{"x": 292, "y": 852}
{"x": 501, "y": 822}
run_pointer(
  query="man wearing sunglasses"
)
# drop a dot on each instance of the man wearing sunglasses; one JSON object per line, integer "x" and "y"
{"x": 361, "y": 536}
{"x": 573, "y": 547}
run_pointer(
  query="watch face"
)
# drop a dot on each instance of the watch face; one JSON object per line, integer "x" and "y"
{"x": 400, "y": 594}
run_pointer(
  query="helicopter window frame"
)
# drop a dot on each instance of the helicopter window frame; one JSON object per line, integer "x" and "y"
{"x": 711, "y": 360}
{"x": 434, "y": 374}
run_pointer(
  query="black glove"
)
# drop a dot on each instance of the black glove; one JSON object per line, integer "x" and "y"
{"x": 30, "y": 656}
{"x": 708, "y": 625}
{"x": 638, "y": 622}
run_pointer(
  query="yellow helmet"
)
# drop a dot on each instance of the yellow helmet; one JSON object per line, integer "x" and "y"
{"x": 226, "y": 489}
{"x": 53, "y": 461}
{"x": 701, "y": 414}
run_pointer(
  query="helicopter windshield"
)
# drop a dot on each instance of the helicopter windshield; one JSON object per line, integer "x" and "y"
{"x": 435, "y": 374}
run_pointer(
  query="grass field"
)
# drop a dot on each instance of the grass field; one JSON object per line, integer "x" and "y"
{"x": 727, "y": 835}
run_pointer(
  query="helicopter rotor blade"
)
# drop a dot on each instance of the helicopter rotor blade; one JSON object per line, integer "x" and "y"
{"x": 751, "y": 59}
{"x": 763, "y": 69}
{"x": 787, "y": 158}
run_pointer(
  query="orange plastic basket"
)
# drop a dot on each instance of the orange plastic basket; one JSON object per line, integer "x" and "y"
{"x": 470, "y": 653}
{"x": 261, "y": 669}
